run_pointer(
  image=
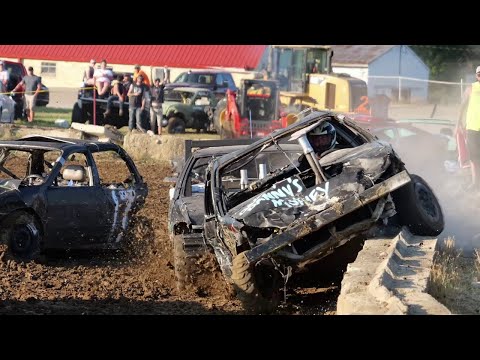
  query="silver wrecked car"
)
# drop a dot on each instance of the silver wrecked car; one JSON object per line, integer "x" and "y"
{"x": 344, "y": 185}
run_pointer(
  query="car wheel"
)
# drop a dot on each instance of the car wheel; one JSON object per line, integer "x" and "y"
{"x": 181, "y": 264}
{"x": 176, "y": 125}
{"x": 23, "y": 236}
{"x": 257, "y": 287}
{"x": 418, "y": 208}
{"x": 77, "y": 114}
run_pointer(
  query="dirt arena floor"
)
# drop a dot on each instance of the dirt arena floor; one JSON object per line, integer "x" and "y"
{"x": 140, "y": 280}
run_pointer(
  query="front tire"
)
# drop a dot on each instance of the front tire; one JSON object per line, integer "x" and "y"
{"x": 418, "y": 208}
{"x": 257, "y": 287}
{"x": 23, "y": 235}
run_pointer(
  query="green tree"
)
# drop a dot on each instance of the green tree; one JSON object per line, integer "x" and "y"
{"x": 445, "y": 61}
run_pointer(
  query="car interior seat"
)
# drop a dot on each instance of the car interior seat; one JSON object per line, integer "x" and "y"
{"x": 75, "y": 175}
{"x": 202, "y": 79}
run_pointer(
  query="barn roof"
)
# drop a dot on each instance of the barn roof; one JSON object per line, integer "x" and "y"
{"x": 198, "y": 56}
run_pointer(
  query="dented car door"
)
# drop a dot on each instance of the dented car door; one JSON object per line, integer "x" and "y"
{"x": 75, "y": 206}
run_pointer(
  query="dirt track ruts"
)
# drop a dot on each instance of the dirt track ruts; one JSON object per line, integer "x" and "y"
{"x": 141, "y": 279}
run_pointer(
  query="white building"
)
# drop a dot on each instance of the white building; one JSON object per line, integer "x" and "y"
{"x": 384, "y": 68}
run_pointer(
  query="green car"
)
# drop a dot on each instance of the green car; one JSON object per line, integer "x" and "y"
{"x": 188, "y": 108}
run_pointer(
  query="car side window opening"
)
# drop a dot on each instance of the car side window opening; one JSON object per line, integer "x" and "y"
{"x": 75, "y": 172}
{"x": 31, "y": 164}
{"x": 219, "y": 80}
{"x": 196, "y": 177}
{"x": 120, "y": 177}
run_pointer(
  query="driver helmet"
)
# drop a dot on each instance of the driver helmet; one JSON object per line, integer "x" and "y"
{"x": 323, "y": 137}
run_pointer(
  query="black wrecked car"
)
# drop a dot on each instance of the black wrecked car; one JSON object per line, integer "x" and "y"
{"x": 60, "y": 193}
{"x": 186, "y": 212}
{"x": 344, "y": 185}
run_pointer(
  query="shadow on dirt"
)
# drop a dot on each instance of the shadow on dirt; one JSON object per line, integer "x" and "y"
{"x": 121, "y": 306}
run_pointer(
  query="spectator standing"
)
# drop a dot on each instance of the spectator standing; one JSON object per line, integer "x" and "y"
{"x": 3, "y": 77}
{"x": 88, "y": 78}
{"x": 471, "y": 104}
{"x": 136, "y": 98}
{"x": 156, "y": 101}
{"x": 137, "y": 72}
{"x": 103, "y": 77}
{"x": 32, "y": 85}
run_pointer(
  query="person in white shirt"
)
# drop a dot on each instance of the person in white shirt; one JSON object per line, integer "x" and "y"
{"x": 103, "y": 77}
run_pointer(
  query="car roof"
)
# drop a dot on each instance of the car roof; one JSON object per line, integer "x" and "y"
{"x": 190, "y": 89}
{"x": 218, "y": 150}
{"x": 51, "y": 142}
{"x": 210, "y": 71}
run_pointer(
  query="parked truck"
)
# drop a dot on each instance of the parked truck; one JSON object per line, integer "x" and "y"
{"x": 252, "y": 113}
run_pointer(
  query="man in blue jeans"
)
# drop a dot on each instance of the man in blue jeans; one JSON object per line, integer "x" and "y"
{"x": 136, "y": 99}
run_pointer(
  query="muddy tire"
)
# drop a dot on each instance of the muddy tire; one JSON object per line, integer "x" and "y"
{"x": 176, "y": 125}
{"x": 181, "y": 264}
{"x": 418, "y": 208}
{"x": 23, "y": 236}
{"x": 257, "y": 287}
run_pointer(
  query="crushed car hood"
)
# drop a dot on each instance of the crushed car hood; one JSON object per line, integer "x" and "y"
{"x": 288, "y": 200}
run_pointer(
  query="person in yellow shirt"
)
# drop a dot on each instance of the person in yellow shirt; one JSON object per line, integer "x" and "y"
{"x": 139, "y": 71}
{"x": 471, "y": 122}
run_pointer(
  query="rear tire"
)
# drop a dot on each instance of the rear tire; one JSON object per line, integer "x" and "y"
{"x": 176, "y": 125}
{"x": 418, "y": 208}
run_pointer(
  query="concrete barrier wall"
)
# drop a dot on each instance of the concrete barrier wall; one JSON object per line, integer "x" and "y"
{"x": 158, "y": 148}
{"x": 390, "y": 276}
{"x": 11, "y": 132}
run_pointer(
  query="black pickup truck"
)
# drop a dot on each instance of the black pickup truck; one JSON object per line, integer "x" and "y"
{"x": 83, "y": 109}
